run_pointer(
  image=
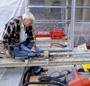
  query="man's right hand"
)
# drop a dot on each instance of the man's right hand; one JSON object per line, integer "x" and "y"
{"x": 7, "y": 54}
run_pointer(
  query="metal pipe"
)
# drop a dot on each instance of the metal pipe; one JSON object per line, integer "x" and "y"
{"x": 62, "y": 10}
{"x": 61, "y": 20}
{"x": 84, "y": 7}
{"x": 88, "y": 7}
{"x": 72, "y": 23}
{"x": 49, "y": 22}
{"x": 64, "y": 53}
{"x": 70, "y": 53}
{"x": 83, "y": 22}
{"x": 66, "y": 49}
{"x": 66, "y": 17}
{"x": 46, "y": 6}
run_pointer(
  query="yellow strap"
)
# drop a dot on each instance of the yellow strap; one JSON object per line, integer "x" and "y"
{"x": 86, "y": 66}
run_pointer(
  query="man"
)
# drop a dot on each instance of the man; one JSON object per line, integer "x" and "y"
{"x": 19, "y": 29}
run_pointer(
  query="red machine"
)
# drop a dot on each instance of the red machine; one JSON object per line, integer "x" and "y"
{"x": 78, "y": 77}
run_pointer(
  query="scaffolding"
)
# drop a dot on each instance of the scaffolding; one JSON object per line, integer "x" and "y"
{"x": 64, "y": 21}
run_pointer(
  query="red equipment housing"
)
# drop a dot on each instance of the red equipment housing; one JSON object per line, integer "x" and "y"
{"x": 80, "y": 79}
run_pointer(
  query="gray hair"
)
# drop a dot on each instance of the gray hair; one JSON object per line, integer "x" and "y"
{"x": 29, "y": 15}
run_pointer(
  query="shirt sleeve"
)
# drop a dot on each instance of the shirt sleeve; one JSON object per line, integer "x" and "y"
{"x": 6, "y": 35}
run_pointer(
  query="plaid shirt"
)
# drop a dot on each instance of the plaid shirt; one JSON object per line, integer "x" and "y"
{"x": 12, "y": 32}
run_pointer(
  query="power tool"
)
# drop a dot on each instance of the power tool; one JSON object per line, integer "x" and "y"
{"x": 16, "y": 52}
{"x": 77, "y": 77}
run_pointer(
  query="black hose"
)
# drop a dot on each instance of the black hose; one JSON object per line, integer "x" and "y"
{"x": 29, "y": 70}
{"x": 50, "y": 80}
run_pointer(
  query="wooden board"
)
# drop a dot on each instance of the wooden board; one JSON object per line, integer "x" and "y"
{"x": 10, "y": 62}
{"x": 35, "y": 79}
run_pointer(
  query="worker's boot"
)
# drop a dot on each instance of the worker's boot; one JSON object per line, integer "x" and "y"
{"x": 37, "y": 73}
{"x": 43, "y": 70}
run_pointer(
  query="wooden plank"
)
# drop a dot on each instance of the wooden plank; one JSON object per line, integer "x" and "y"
{"x": 10, "y": 62}
{"x": 35, "y": 79}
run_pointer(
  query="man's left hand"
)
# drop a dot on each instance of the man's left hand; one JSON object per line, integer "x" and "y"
{"x": 33, "y": 49}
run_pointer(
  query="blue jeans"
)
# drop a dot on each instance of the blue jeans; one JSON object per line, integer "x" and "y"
{"x": 26, "y": 47}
